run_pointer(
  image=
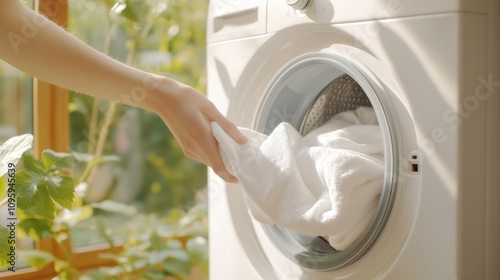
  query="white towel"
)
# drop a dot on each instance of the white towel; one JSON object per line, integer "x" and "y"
{"x": 327, "y": 183}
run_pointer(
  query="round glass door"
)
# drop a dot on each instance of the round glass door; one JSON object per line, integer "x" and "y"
{"x": 306, "y": 93}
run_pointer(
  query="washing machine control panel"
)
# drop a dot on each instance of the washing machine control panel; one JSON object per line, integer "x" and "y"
{"x": 300, "y": 5}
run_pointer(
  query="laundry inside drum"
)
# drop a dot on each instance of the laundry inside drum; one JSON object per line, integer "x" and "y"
{"x": 343, "y": 114}
{"x": 342, "y": 100}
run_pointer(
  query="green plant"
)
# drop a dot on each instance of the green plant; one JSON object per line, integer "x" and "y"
{"x": 158, "y": 247}
{"x": 48, "y": 206}
{"x": 44, "y": 200}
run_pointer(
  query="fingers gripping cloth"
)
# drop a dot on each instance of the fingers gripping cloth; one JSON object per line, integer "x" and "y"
{"x": 327, "y": 183}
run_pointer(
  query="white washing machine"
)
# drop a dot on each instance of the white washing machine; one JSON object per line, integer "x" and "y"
{"x": 430, "y": 70}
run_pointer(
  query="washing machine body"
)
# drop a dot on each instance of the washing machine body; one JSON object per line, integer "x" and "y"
{"x": 430, "y": 70}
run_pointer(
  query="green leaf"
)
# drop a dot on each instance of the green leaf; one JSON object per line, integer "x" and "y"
{"x": 197, "y": 246}
{"x": 177, "y": 267}
{"x": 26, "y": 187}
{"x": 3, "y": 264}
{"x": 32, "y": 164}
{"x": 36, "y": 193}
{"x": 61, "y": 189}
{"x": 37, "y": 229}
{"x": 33, "y": 196}
{"x": 167, "y": 230}
{"x": 56, "y": 161}
{"x": 156, "y": 257}
{"x": 156, "y": 242}
{"x": 36, "y": 258}
{"x": 4, "y": 246}
{"x": 124, "y": 9}
{"x": 177, "y": 254}
{"x": 174, "y": 244}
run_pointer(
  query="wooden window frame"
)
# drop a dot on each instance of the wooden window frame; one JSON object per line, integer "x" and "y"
{"x": 51, "y": 131}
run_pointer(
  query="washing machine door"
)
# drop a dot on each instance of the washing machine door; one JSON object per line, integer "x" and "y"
{"x": 306, "y": 92}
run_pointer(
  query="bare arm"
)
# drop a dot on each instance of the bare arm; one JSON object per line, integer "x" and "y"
{"x": 42, "y": 49}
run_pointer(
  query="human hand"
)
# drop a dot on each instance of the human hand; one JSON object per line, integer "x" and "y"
{"x": 188, "y": 115}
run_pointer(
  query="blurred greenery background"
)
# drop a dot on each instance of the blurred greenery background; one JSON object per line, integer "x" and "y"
{"x": 146, "y": 195}
{"x": 166, "y": 37}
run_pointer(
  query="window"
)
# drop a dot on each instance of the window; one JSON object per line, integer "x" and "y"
{"x": 151, "y": 175}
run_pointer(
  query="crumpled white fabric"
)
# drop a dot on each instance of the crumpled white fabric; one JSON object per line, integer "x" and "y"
{"x": 327, "y": 183}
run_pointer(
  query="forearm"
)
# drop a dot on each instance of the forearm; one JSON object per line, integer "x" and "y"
{"x": 40, "y": 48}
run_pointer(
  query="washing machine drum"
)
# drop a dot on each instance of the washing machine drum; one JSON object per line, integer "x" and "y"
{"x": 342, "y": 94}
{"x": 307, "y": 93}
